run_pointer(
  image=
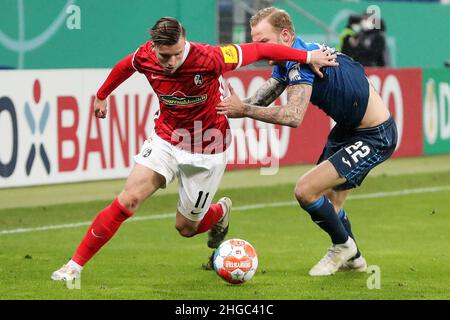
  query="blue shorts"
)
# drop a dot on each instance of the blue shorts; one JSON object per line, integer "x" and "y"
{"x": 354, "y": 152}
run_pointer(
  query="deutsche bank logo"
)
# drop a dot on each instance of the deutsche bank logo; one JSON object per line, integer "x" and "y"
{"x": 36, "y": 125}
{"x": 32, "y": 125}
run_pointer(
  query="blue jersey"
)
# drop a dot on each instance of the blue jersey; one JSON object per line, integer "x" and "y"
{"x": 342, "y": 94}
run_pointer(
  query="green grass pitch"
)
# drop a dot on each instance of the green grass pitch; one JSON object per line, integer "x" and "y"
{"x": 405, "y": 234}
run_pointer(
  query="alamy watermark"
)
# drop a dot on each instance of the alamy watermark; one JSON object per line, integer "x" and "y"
{"x": 74, "y": 284}
{"x": 261, "y": 146}
{"x": 73, "y": 21}
{"x": 374, "y": 280}
{"x": 373, "y": 17}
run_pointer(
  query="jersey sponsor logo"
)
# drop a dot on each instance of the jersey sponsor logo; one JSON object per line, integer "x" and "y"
{"x": 230, "y": 54}
{"x": 294, "y": 73}
{"x": 198, "y": 80}
{"x": 178, "y": 98}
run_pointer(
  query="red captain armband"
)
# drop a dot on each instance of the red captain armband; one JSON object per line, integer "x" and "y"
{"x": 252, "y": 52}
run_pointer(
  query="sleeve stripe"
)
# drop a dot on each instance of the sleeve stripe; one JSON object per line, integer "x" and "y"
{"x": 240, "y": 55}
{"x": 132, "y": 61}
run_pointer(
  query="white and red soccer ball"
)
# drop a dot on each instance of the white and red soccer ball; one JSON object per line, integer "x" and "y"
{"x": 235, "y": 261}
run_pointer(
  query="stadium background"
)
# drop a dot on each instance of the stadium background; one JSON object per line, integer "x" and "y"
{"x": 49, "y": 134}
{"x": 53, "y": 65}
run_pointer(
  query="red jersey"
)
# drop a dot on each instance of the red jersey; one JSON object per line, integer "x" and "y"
{"x": 188, "y": 98}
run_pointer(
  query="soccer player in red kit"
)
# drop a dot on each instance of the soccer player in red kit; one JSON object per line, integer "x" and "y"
{"x": 190, "y": 138}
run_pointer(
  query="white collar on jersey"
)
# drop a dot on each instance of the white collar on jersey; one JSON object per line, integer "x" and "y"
{"x": 187, "y": 48}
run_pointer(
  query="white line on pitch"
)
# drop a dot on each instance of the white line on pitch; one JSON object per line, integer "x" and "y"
{"x": 241, "y": 208}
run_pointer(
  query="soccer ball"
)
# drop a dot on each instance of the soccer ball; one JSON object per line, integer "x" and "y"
{"x": 235, "y": 261}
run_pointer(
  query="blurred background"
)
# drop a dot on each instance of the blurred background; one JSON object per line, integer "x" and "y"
{"x": 47, "y": 34}
{"x": 55, "y": 55}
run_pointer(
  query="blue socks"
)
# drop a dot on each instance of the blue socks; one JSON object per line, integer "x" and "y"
{"x": 323, "y": 214}
{"x": 348, "y": 227}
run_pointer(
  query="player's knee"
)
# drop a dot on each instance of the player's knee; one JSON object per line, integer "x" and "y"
{"x": 185, "y": 231}
{"x": 304, "y": 193}
{"x": 129, "y": 200}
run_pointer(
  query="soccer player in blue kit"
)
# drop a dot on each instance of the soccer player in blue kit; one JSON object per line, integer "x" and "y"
{"x": 365, "y": 134}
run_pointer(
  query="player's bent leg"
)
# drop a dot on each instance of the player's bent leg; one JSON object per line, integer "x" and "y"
{"x": 310, "y": 190}
{"x": 316, "y": 182}
{"x": 352, "y": 154}
{"x": 199, "y": 178}
{"x": 310, "y": 193}
{"x": 215, "y": 220}
{"x": 185, "y": 227}
{"x": 141, "y": 183}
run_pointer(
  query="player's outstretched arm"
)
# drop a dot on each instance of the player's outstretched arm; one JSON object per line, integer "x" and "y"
{"x": 252, "y": 52}
{"x": 290, "y": 114}
{"x": 121, "y": 71}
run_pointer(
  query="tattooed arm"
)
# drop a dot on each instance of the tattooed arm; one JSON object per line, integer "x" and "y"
{"x": 290, "y": 114}
{"x": 267, "y": 93}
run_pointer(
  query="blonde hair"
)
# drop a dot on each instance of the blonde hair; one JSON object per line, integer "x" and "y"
{"x": 277, "y": 18}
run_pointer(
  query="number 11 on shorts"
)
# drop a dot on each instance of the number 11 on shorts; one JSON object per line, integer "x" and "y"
{"x": 200, "y": 200}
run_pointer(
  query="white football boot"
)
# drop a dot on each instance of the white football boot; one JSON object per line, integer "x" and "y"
{"x": 67, "y": 272}
{"x": 336, "y": 256}
{"x": 220, "y": 229}
{"x": 358, "y": 265}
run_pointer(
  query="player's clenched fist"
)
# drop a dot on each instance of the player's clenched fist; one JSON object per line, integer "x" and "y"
{"x": 100, "y": 108}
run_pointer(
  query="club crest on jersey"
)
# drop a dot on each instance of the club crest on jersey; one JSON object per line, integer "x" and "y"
{"x": 178, "y": 98}
{"x": 198, "y": 80}
{"x": 294, "y": 73}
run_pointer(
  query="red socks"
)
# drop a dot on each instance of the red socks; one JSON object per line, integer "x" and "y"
{"x": 211, "y": 217}
{"x": 101, "y": 230}
{"x": 109, "y": 220}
